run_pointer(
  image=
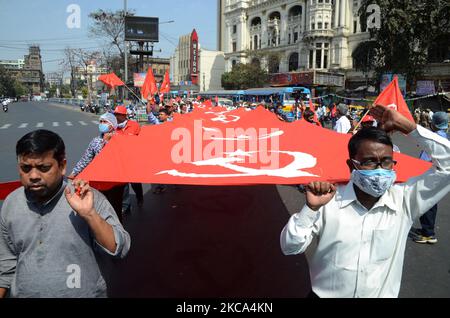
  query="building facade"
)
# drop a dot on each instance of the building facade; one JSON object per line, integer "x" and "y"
{"x": 317, "y": 36}
{"x": 13, "y": 64}
{"x": 194, "y": 68}
{"x": 28, "y": 71}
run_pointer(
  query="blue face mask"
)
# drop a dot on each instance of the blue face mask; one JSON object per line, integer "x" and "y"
{"x": 374, "y": 182}
{"x": 103, "y": 128}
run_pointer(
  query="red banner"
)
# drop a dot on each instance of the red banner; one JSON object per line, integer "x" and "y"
{"x": 209, "y": 147}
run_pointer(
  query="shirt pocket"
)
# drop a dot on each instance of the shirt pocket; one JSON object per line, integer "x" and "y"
{"x": 383, "y": 244}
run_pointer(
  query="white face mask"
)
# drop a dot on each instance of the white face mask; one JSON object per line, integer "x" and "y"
{"x": 374, "y": 182}
{"x": 122, "y": 125}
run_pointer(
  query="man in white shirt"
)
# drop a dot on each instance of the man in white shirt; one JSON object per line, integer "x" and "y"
{"x": 343, "y": 125}
{"x": 362, "y": 227}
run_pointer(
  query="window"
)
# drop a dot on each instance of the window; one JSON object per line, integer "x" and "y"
{"x": 233, "y": 63}
{"x": 255, "y": 42}
{"x": 311, "y": 57}
{"x": 319, "y": 58}
{"x": 355, "y": 26}
{"x": 289, "y": 39}
{"x": 312, "y": 26}
{"x": 295, "y": 37}
{"x": 326, "y": 25}
{"x": 234, "y": 45}
{"x": 234, "y": 29}
{"x": 364, "y": 27}
{"x": 319, "y": 26}
{"x": 293, "y": 62}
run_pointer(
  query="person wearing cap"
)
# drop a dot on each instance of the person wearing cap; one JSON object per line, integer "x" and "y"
{"x": 343, "y": 124}
{"x": 107, "y": 128}
{"x": 132, "y": 128}
{"x": 368, "y": 122}
{"x": 426, "y": 234}
{"x": 124, "y": 125}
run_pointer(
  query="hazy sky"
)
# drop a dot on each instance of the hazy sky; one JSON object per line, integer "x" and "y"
{"x": 43, "y": 22}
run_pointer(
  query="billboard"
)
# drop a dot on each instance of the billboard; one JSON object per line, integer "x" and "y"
{"x": 387, "y": 78}
{"x": 425, "y": 88}
{"x": 139, "y": 79}
{"x": 144, "y": 29}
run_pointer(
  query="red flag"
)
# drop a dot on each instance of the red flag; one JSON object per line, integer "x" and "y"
{"x": 312, "y": 107}
{"x": 165, "y": 86}
{"x": 111, "y": 80}
{"x": 149, "y": 87}
{"x": 392, "y": 98}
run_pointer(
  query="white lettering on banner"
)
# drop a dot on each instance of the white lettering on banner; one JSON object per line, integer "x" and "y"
{"x": 292, "y": 170}
{"x": 221, "y": 117}
{"x": 238, "y": 146}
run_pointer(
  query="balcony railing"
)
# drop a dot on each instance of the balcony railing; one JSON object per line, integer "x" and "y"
{"x": 318, "y": 33}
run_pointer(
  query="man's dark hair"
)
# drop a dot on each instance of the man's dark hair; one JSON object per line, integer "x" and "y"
{"x": 40, "y": 142}
{"x": 370, "y": 133}
{"x": 308, "y": 113}
{"x": 165, "y": 111}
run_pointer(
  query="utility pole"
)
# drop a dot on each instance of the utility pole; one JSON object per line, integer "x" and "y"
{"x": 125, "y": 53}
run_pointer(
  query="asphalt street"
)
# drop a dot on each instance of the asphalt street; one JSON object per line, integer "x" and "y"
{"x": 196, "y": 241}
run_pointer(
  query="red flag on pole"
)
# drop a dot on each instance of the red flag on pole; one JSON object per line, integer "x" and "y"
{"x": 111, "y": 80}
{"x": 392, "y": 97}
{"x": 312, "y": 107}
{"x": 165, "y": 86}
{"x": 149, "y": 88}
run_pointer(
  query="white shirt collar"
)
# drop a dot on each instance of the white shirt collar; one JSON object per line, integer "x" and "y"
{"x": 348, "y": 196}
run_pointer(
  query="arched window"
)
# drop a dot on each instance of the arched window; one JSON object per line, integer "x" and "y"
{"x": 293, "y": 62}
{"x": 255, "y": 21}
{"x": 274, "y": 64}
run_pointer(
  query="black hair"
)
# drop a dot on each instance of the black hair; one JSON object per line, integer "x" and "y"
{"x": 370, "y": 133}
{"x": 308, "y": 113}
{"x": 165, "y": 111}
{"x": 40, "y": 142}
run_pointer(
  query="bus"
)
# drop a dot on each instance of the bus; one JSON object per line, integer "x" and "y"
{"x": 287, "y": 96}
{"x": 235, "y": 95}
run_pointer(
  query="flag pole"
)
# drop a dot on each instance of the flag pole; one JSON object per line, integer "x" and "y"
{"x": 360, "y": 121}
{"x": 131, "y": 91}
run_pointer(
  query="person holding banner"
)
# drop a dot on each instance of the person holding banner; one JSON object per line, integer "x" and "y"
{"x": 107, "y": 128}
{"x": 362, "y": 227}
{"x": 51, "y": 229}
{"x": 128, "y": 127}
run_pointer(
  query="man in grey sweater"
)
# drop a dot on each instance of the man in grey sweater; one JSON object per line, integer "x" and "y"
{"x": 51, "y": 229}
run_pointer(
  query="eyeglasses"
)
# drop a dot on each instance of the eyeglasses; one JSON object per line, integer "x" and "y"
{"x": 386, "y": 163}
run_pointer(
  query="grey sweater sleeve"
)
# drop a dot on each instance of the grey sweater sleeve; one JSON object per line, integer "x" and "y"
{"x": 8, "y": 259}
{"x": 106, "y": 212}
